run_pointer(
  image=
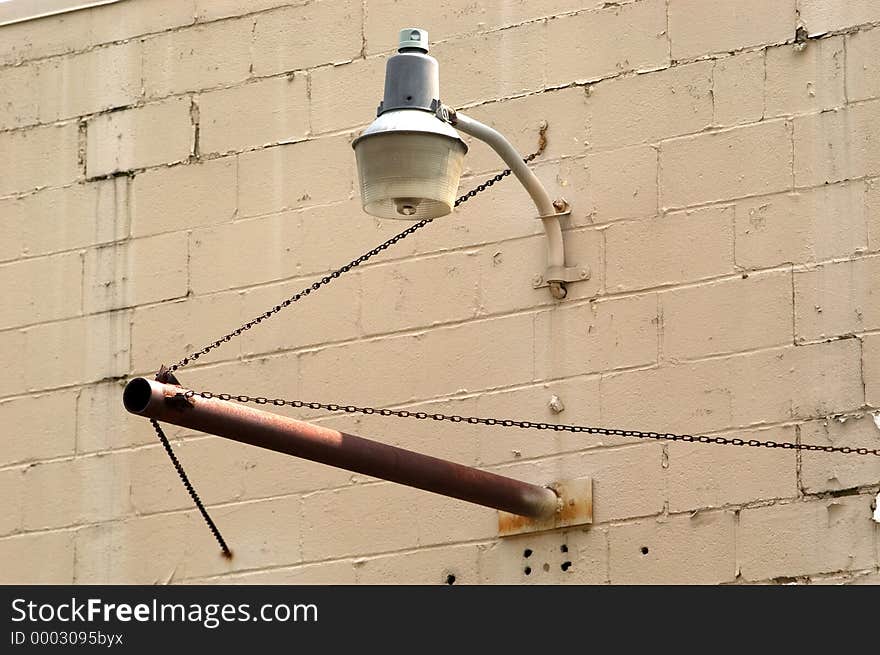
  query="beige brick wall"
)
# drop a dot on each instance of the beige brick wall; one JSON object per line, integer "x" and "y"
{"x": 170, "y": 168}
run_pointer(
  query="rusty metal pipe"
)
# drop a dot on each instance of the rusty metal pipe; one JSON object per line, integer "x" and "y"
{"x": 164, "y": 402}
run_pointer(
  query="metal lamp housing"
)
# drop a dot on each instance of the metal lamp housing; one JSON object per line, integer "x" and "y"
{"x": 409, "y": 164}
{"x": 409, "y": 161}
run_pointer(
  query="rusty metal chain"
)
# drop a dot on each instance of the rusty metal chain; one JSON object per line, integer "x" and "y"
{"x": 530, "y": 425}
{"x": 352, "y": 264}
{"x": 190, "y": 489}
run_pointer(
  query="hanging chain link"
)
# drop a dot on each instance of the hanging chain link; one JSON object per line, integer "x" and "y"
{"x": 528, "y": 425}
{"x": 190, "y": 489}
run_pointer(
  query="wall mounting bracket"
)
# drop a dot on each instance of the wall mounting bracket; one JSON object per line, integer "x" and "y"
{"x": 566, "y": 274}
{"x": 560, "y": 274}
{"x": 549, "y": 212}
{"x": 574, "y": 507}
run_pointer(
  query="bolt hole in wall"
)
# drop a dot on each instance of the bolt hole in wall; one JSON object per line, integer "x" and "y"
{"x": 450, "y": 579}
{"x": 564, "y": 566}
{"x": 644, "y": 550}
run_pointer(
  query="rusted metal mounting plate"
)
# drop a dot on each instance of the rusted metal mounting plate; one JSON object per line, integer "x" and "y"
{"x": 575, "y": 508}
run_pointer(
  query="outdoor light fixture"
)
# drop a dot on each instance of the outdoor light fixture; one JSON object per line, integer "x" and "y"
{"x": 410, "y": 159}
{"x": 409, "y": 162}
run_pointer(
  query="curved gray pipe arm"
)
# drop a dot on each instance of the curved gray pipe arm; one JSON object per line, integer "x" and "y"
{"x": 546, "y": 211}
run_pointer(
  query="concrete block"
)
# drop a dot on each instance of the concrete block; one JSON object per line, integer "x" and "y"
{"x": 703, "y": 476}
{"x": 728, "y": 316}
{"x": 670, "y": 249}
{"x": 135, "y": 272}
{"x": 577, "y": 556}
{"x": 610, "y": 40}
{"x": 744, "y": 161}
{"x": 738, "y": 88}
{"x": 77, "y": 491}
{"x": 176, "y": 198}
{"x": 39, "y": 427}
{"x": 822, "y": 16}
{"x": 803, "y": 226}
{"x": 836, "y": 299}
{"x": 80, "y": 30}
{"x": 599, "y": 336}
{"x": 41, "y": 558}
{"x": 522, "y": 48}
{"x": 821, "y": 472}
{"x": 313, "y": 172}
{"x": 698, "y": 27}
{"x": 102, "y": 351}
{"x": 442, "y": 565}
{"x": 578, "y": 399}
{"x": 198, "y": 57}
{"x": 402, "y": 295}
{"x": 253, "y": 115}
{"x": 39, "y": 157}
{"x": 157, "y": 133}
{"x": 77, "y": 216}
{"x": 862, "y": 68}
{"x": 698, "y": 549}
{"x": 41, "y": 289}
{"x": 298, "y": 37}
{"x": 806, "y": 80}
{"x": 332, "y": 104}
{"x": 649, "y": 107}
{"x": 818, "y": 156}
{"x": 801, "y": 538}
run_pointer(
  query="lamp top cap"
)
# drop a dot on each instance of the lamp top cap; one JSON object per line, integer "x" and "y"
{"x": 413, "y": 38}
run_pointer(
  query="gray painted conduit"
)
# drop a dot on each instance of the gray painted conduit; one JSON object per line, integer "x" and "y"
{"x": 514, "y": 161}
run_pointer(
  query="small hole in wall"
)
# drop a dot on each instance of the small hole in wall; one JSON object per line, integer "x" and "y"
{"x": 527, "y": 552}
{"x": 409, "y": 98}
{"x": 563, "y": 548}
{"x": 527, "y": 570}
{"x": 565, "y": 566}
{"x": 644, "y": 550}
{"x": 450, "y": 579}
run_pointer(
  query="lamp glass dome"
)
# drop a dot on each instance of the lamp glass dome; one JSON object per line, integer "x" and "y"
{"x": 409, "y": 175}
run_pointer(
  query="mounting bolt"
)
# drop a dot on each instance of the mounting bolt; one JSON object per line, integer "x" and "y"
{"x": 585, "y": 273}
{"x": 537, "y": 280}
{"x": 560, "y": 205}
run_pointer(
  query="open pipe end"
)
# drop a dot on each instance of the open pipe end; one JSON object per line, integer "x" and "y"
{"x": 137, "y": 395}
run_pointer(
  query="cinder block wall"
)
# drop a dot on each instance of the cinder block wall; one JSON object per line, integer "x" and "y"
{"x": 170, "y": 168}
